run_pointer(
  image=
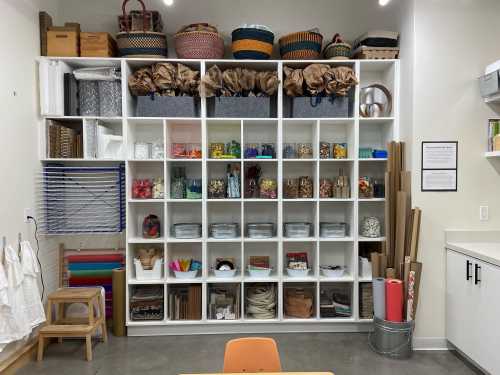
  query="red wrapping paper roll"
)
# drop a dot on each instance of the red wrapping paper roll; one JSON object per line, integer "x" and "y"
{"x": 95, "y": 258}
{"x": 394, "y": 300}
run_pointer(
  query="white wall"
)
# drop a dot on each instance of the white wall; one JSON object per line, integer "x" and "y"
{"x": 18, "y": 123}
{"x": 350, "y": 18}
{"x": 455, "y": 40}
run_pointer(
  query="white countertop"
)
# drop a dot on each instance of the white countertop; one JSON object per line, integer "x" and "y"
{"x": 486, "y": 251}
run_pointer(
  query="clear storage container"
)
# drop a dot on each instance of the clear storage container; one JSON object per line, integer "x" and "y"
{"x": 260, "y": 230}
{"x": 186, "y": 231}
{"x": 224, "y": 231}
{"x": 333, "y": 230}
{"x": 298, "y": 230}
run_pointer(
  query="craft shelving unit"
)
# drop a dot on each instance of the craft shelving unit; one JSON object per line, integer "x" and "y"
{"x": 355, "y": 131}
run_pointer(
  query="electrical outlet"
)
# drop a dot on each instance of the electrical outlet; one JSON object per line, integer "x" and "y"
{"x": 483, "y": 213}
{"x": 27, "y": 212}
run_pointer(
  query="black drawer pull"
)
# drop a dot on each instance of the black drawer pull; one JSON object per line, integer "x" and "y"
{"x": 467, "y": 270}
{"x": 477, "y": 268}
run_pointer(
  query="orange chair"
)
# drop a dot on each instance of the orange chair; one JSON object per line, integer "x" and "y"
{"x": 252, "y": 354}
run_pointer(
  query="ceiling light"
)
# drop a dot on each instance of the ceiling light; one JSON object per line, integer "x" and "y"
{"x": 168, "y": 2}
{"x": 383, "y": 3}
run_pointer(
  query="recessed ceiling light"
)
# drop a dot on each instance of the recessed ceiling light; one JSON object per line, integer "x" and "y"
{"x": 383, "y": 2}
{"x": 168, "y": 2}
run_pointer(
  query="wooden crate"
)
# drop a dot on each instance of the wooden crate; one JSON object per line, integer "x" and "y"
{"x": 97, "y": 45}
{"x": 63, "y": 42}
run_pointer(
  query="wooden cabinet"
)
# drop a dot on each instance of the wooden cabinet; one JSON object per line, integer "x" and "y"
{"x": 473, "y": 309}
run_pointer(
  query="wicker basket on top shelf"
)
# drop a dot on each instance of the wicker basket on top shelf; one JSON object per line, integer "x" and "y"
{"x": 199, "y": 41}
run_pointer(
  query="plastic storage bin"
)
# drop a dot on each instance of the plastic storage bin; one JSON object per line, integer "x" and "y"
{"x": 154, "y": 274}
{"x": 186, "y": 231}
{"x": 297, "y": 273}
{"x": 333, "y": 230}
{"x": 186, "y": 274}
{"x": 224, "y": 231}
{"x": 260, "y": 230}
{"x": 298, "y": 230}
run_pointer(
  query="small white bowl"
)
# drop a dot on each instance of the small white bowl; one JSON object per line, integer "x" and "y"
{"x": 297, "y": 273}
{"x": 224, "y": 274}
{"x": 264, "y": 272}
{"x": 186, "y": 275}
{"x": 333, "y": 273}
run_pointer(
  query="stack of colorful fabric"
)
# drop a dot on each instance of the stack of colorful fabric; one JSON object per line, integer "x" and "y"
{"x": 93, "y": 268}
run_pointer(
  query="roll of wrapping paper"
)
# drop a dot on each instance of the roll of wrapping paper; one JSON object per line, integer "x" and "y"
{"x": 411, "y": 295}
{"x": 379, "y": 297}
{"x": 394, "y": 300}
{"x": 119, "y": 302}
{"x": 95, "y": 258}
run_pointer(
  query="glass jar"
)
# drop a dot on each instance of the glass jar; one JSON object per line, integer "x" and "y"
{"x": 291, "y": 188}
{"x": 324, "y": 150}
{"x": 339, "y": 150}
{"x": 251, "y": 188}
{"x": 193, "y": 188}
{"x": 365, "y": 187}
{"x": 158, "y": 188}
{"x": 142, "y": 189}
{"x": 142, "y": 150}
{"x": 325, "y": 188}
{"x": 268, "y": 151}
{"x": 233, "y": 149}
{"x": 306, "y": 187}
{"x": 216, "y": 188}
{"x": 268, "y": 188}
{"x": 178, "y": 150}
{"x": 178, "y": 188}
{"x": 370, "y": 227}
{"x": 289, "y": 151}
{"x": 304, "y": 150}
{"x": 216, "y": 150}
{"x": 194, "y": 151}
{"x": 151, "y": 227}
{"x": 251, "y": 150}
{"x": 157, "y": 151}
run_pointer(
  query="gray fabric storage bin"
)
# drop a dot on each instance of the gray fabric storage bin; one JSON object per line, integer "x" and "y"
{"x": 168, "y": 106}
{"x": 305, "y": 106}
{"x": 489, "y": 84}
{"x": 242, "y": 106}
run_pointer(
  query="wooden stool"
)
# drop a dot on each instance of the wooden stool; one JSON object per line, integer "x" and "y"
{"x": 74, "y": 327}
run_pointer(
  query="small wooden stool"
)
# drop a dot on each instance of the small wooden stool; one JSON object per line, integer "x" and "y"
{"x": 74, "y": 327}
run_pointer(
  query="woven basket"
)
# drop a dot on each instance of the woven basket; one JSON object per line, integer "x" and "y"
{"x": 376, "y": 53}
{"x": 337, "y": 49}
{"x": 303, "y": 45}
{"x": 140, "y": 43}
{"x": 252, "y": 43}
{"x": 199, "y": 44}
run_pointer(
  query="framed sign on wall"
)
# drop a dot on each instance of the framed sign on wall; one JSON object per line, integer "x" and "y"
{"x": 439, "y": 166}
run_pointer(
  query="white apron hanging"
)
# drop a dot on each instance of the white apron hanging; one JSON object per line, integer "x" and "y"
{"x": 8, "y": 326}
{"x": 15, "y": 277}
{"x": 33, "y": 305}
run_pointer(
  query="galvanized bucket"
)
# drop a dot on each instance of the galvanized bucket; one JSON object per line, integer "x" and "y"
{"x": 392, "y": 339}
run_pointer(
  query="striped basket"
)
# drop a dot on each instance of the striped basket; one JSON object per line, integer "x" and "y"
{"x": 337, "y": 49}
{"x": 199, "y": 44}
{"x": 140, "y": 43}
{"x": 252, "y": 43}
{"x": 303, "y": 45}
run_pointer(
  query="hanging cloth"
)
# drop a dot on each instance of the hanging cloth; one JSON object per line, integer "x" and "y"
{"x": 15, "y": 278}
{"x": 33, "y": 304}
{"x": 8, "y": 326}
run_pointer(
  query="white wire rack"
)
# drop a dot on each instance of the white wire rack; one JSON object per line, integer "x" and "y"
{"x": 75, "y": 200}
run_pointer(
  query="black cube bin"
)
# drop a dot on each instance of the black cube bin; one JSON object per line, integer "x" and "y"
{"x": 317, "y": 107}
{"x": 168, "y": 106}
{"x": 242, "y": 106}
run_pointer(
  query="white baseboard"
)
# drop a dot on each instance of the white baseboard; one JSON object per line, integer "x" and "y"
{"x": 430, "y": 343}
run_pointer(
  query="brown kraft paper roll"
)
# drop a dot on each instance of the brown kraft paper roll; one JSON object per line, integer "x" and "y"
{"x": 118, "y": 280}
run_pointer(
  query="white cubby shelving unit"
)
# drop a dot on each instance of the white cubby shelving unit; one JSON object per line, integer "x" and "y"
{"x": 355, "y": 131}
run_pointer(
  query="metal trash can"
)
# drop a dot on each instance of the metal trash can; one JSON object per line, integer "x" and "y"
{"x": 392, "y": 339}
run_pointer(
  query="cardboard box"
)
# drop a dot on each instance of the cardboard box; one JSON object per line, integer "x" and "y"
{"x": 97, "y": 45}
{"x": 63, "y": 43}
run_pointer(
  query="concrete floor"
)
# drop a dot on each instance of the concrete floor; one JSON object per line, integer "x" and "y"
{"x": 341, "y": 353}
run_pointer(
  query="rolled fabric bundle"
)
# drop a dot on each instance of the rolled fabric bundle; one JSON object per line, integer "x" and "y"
{"x": 379, "y": 297}
{"x": 394, "y": 300}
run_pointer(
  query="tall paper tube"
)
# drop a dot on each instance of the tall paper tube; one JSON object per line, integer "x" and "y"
{"x": 379, "y": 297}
{"x": 394, "y": 300}
{"x": 118, "y": 277}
